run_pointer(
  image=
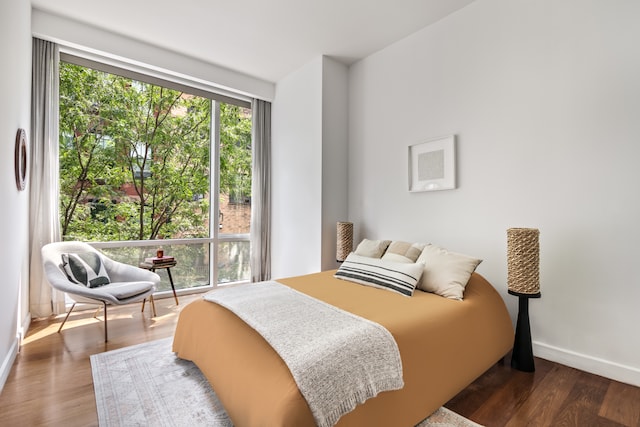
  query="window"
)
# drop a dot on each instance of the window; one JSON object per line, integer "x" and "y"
{"x": 147, "y": 163}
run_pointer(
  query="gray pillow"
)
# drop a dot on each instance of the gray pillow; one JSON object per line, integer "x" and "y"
{"x": 403, "y": 251}
{"x": 372, "y": 248}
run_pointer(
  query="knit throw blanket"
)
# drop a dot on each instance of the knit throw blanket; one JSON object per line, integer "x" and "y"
{"x": 338, "y": 359}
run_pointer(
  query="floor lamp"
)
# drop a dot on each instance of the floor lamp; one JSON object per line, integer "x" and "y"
{"x": 523, "y": 281}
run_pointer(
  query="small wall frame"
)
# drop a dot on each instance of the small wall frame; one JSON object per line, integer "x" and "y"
{"x": 432, "y": 165}
{"x": 20, "y": 159}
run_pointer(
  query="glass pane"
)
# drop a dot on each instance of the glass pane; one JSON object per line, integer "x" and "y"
{"x": 134, "y": 159}
{"x": 192, "y": 269}
{"x": 233, "y": 262}
{"x": 135, "y": 165}
{"x": 235, "y": 169}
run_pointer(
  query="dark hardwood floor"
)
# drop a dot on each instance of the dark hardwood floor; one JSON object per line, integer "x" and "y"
{"x": 553, "y": 395}
{"x": 51, "y": 385}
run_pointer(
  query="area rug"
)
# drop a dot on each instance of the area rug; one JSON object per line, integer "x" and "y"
{"x": 147, "y": 385}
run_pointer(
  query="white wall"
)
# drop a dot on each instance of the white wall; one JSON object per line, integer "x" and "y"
{"x": 335, "y": 187}
{"x": 544, "y": 97}
{"x": 296, "y": 155}
{"x": 309, "y": 152}
{"x": 15, "y": 87}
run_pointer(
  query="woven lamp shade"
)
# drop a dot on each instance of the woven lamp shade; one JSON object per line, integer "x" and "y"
{"x": 344, "y": 242}
{"x": 523, "y": 259}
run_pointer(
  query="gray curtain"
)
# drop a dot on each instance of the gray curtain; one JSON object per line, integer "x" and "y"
{"x": 44, "y": 222}
{"x": 261, "y": 192}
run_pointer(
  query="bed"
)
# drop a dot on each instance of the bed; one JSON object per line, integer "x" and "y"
{"x": 444, "y": 345}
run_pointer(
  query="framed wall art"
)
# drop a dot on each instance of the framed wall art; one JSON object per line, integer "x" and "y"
{"x": 20, "y": 159}
{"x": 432, "y": 165}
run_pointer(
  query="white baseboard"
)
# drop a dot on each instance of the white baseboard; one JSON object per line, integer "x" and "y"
{"x": 594, "y": 365}
{"x": 7, "y": 363}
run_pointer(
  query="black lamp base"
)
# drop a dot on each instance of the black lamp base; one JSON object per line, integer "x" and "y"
{"x": 522, "y": 356}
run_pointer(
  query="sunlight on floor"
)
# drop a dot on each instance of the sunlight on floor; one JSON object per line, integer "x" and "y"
{"x": 164, "y": 314}
{"x": 51, "y": 329}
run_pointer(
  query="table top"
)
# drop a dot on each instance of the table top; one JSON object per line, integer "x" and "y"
{"x": 152, "y": 266}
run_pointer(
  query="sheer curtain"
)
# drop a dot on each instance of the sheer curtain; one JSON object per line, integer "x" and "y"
{"x": 44, "y": 223}
{"x": 261, "y": 192}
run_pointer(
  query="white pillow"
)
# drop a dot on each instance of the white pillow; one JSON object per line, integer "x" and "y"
{"x": 398, "y": 277}
{"x": 445, "y": 273}
{"x": 372, "y": 248}
{"x": 403, "y": 251}
{"x": 85, "y": 268}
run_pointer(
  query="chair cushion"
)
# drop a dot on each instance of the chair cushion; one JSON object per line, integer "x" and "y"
{"x": 85, "y": 268}
{"x": 124, "y": 290}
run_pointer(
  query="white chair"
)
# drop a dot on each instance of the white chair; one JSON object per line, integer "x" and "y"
{"x": 127, "y": 283}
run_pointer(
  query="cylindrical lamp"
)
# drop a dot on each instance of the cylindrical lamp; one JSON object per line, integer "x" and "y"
{"x": 344, "y": 240}
{"x": 523, "y": 281}
{"x": 523, "y": 260}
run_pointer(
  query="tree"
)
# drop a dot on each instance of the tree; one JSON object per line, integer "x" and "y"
{"x": 134, "y": 158}
{"x": 235, "y": 152}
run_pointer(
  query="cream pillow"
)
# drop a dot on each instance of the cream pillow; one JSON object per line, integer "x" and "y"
{"x": 445, "y": 273}
{"x": 403, "y": 252}
{"x": 372, "y": 248}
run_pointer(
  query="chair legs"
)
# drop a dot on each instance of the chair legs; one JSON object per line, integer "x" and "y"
{"x": 104, "y": 304}
{"x": 153, "y": 305}
{"x": 66, "y": 317}
{"x": 105, "y": 321}
{"x": 95, "y": 316}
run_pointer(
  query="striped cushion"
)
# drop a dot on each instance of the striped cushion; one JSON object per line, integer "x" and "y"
{"x": 393, "y": 276}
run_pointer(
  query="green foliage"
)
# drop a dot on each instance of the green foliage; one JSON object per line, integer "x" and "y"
{"x": 235, "y": 152}
{"x": 134, "y": 158}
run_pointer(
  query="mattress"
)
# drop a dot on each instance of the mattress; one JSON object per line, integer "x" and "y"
{"x": 444, "y": 345}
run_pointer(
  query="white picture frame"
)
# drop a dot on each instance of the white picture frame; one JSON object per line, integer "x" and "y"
{"x": 432, "y": 165}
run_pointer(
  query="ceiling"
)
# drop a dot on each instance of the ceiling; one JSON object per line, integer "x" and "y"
{"x": 266, "y": 39}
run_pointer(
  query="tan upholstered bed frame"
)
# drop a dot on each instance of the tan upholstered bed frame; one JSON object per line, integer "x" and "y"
{"x": 444, "y": 344}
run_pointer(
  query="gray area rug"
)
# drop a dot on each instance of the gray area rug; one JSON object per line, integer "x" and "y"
{"x": 147, "y": 385}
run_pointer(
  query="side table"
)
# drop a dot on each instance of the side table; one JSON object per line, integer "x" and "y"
{"x": 164, "y": 266}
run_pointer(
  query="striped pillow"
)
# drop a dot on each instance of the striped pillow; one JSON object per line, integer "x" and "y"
{"x": 393, "y": 276}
